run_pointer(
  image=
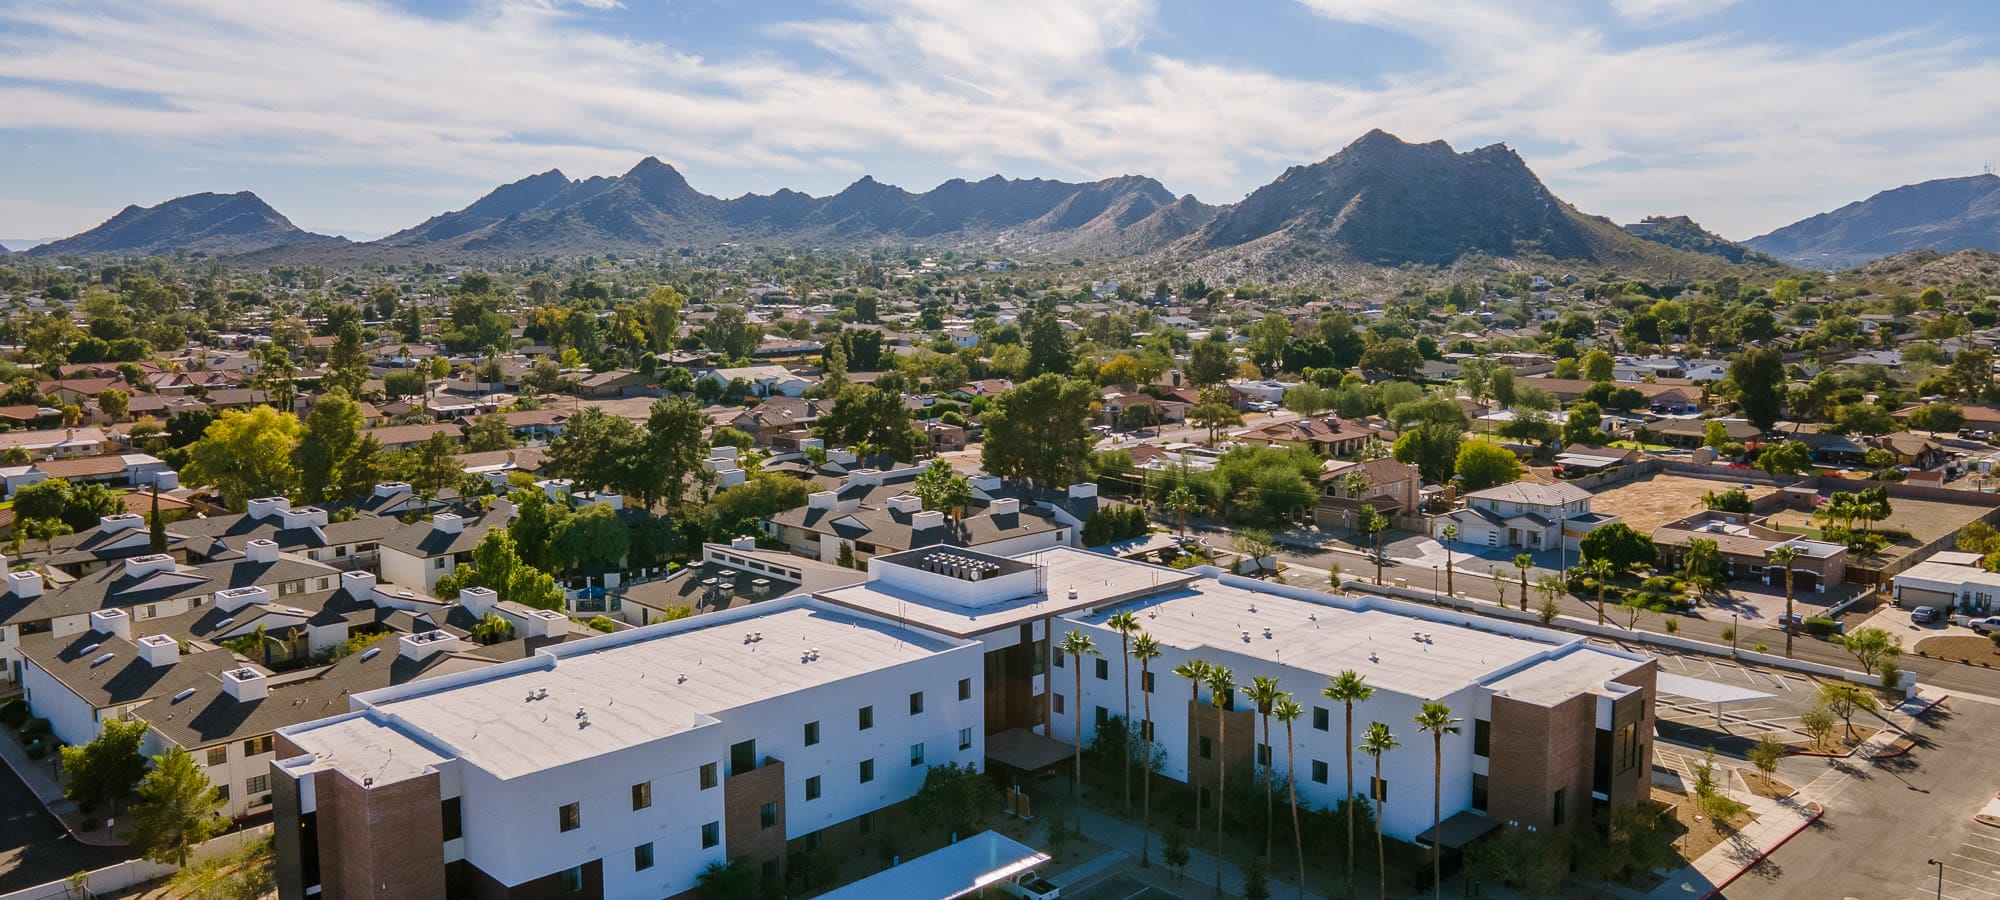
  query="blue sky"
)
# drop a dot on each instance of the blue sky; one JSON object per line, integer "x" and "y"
{"x": 364, "y": 116}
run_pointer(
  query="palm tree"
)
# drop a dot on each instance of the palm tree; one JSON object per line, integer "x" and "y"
{"x": 1450, "y": 535}
{"x": 1600, "y": 569}
{"x": 492, "y": 629}
{"x": 1145, "y": 650}
{"x": 1783, "y": 556}
{"x": 1221, "y": 689}
{"x": 1078, "y": 645}
{"x": 1376, "y": 742}
{"x": 1196, "y": 672}
{"x": 1347, "y": 689}
{"x": 1356, "y": 483}
{"x": 1287, "y": 710}
{"x": 1435, "y": 719}
{"x": 1373, "y": 523}
{"x": 1127, "y": 625}
{"x": 1180, "y": 501}
{"x": 1524, "y": 562}
{"x": 1263, "y": 691}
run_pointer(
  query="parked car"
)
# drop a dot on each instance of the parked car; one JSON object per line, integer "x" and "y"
{"x": 1923, "y": 615}
{"x": 1031, "y": 886}
{"x": 1987, "y": 625}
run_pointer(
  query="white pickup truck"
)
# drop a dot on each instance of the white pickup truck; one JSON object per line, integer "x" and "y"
{"x": 1030, "y": 886}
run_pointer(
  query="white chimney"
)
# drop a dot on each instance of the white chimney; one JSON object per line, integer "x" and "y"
{"x": 841, "y": 457}
{"x": 25, "y": 583}
{"x": 159, "y": 650}
{"x": 725, "y": 451}
{"x": 392, "y": 488}
{"x": 166, "y": 480}
{"x": 447, "y": 523}
{"x": 426, "y": 644}
{"x": 358, "y": 584}
{"x": 1084, "y": 491}
{"x": 811, "y": 444}
{"x": 1006, "y": 506}
{"x": 141, "y": 566}
{"x": 304, "y": 517}
{"x": 906, "y": 504}
{"x": 268, "y": 507}
{"x": 822, "y": 500}
{"x": 478, "y": 600}
{"x": 743, "y": 542}
{"x": 245, "y": 684}
{"x": 120, "y": 522}
{"x": 925, "y": 521}
{"x": 865, "y": 477}
{"x": 233, "y": 599}
{"x": 555, "y": 488}
{"x": 544, "y": 623}
{"x": 987, "y": 483}
{"x": 261, "y": 550}
{"x": 113, "y": 622}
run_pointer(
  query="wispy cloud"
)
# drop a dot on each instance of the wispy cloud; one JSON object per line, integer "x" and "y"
{"x": 1743, "y": 132}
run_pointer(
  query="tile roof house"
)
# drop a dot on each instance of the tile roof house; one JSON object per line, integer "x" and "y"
{"x": 1328, "y": 435}
{"x": 1525, "y": 514}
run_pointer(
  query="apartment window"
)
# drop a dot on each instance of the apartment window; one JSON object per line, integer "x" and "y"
{"x": 743, "y": 757}
{"x": 257, "y": 745}
{"x": 767, "y": 815}
{"x": 965, "y": 739}
{"x": 1378, "y": 788}
{"x": 1319, "y": 771}
{"x": 1146, "y": 728}
{"x": 1204, "y": 748}
{"x": 454, "y": 820}
{"x": 1478, "y": 792}
{"x": 438, "y": 563}
{"x": 569, "y": 817}
{"x": 1322, "y": 718}
{"x": 916, "y": 754}
{"x": 707, "y": 775}
{"x": 1056, "y": 702}
{"x": 1562, "y": 794}
{"x": 1059, "y": 662}
{"x": 218, "y": 755}
{"x": 572, "y": 879}
{"x": 711, "y": 835}
{"x": 866, "y": 824}
{"x": 1628, "y": 746}
{"x": 1103, "y": 717}
{"x": 257, "y": 784}
{"x": 222, "y": 792}
{"x": 867, "y": 717}
{"x": 642, "y": 857}
{"x": 642, "y": 795}
{"x": 965, "y": 689}
{"x": 1146, "y": 682}
{"x": 812, "y": 788}
{"x": 867, "y": 771}
{"x": 1103, "y": 669}
{"x": 917, "y": 703}
{"x": 812, "y": 733}
{"x": 1264, "y": 755}
{"x": 1482, "y": 737}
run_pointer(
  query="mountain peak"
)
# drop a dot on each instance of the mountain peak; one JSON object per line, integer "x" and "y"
{"x": 1945, "y": 214}
{"x": 197, "y": 223}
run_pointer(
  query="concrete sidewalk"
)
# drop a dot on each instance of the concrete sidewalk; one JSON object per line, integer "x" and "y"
{"x": 1199, "y": 877}
{"x": 40, "y": 777}
{"x": 1777, "y": 821}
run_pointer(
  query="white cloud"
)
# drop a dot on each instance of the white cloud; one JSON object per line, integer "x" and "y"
{"x": 1742, "y": 133}
{"x": 1669, "y": 10}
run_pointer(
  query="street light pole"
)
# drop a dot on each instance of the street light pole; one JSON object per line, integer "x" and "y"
{"x": 1940, "y": 868}
{"x": 1434, "y": 579}
{"x": 1732, "y": 635}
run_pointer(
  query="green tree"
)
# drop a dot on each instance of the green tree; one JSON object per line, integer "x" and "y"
{"x": 1787, "y": 458}
{"x": 1048, "y": 344}
{"x": 1872, "y": 647}
{"x": 596, "y": 450}
{"x": 176, "y": 810}
{"x": 1585, "y": 424}
{"x": 1620, "y": 545}
{"x": 673, "y": 452}
{"x": 156, "y": 525}
{"x": 1436, "y": 720}
{"x": 872, "y": 414}
{"x": 432, "y": 466}
{"x": 1196, "y": 673}
{"x": 1598, "y": 365}
{"x": 1701, "y": 565}
{"x": 592, "y": 540}
{"x": 114, "y": 402}
{"x": 1126, "y": 623}
{"x": 955, "y": 798}
{"x": 1759, "y": 376}
{"x": 1038, "y": 431}
{"x": 1766, "y": 754}
{"x": 246, "y": 454}
{"x": 490, "y": 432}
{"x": 1818, "y": 724}
{"x": 497, "y": 566}
{"x": 1145, "y": 649}
{"x": 1376, "y": 524}
{"x": 1221, "y": 690}
{"x": 941, "y": 488}
{"x": 1377, "y": 742}
{"x": 330, "y": 434}
{"x": 1214, "y": 415}
{"x": 1209, "y": 363}
{"x": 1263, "y": 694}
{"x": 108, "y": 766}
{"x": 1287, "y": 711}
{"x": 492, "y": 628}
{"x": 1844, "y": 700}
{"x": 1450, "y": 535}
{"x": 1348, "y": 688}
{"x": 1174, "y": 852}
{"x": 1524, "y": 562}
{"x": 661, "y": 314}
{"x": 44, "y": 501}
{"x": 1936, "y": 417}
{"x": 347, "y": 365}
{"x": 1395, "y": 358}
{"x": 1483, "y": 464}
{"x": 1267, "y": 342}
{"x": 1432, "y": 447}
{"x": 1783, "y": 556}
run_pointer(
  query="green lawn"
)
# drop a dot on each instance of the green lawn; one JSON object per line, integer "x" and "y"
{"x": 1635, "y": 445}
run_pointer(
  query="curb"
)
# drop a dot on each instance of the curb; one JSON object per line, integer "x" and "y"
{"x": 9, "y": 760}
{"x": 1818, "y": 811}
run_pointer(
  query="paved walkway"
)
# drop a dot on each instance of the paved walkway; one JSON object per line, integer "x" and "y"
{"x": 40, "y": 777}
{"x": 1199, "y": 878}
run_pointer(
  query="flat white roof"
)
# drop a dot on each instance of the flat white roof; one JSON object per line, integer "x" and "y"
{"x": 1704, "y": 690}
{"x": 1392, "y": 644}
{"x": 1097, "y": 579}
{"x": 366, "y": 750}
{"x": 1582, "y": 670}
{"x": 953, "y": 871}
{"x": 1946, "y": 574}
{"x": 645, "y": 684}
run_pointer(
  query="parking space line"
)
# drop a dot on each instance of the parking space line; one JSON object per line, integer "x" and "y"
{"x": 1983, "y": 862}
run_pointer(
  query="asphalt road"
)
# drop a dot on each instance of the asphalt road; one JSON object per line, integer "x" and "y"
{"x": 1887, "y": 817}
{"x": 34, "y": 849}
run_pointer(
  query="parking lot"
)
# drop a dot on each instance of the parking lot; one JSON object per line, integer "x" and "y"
{"x": 1118, "y": 886}
{"x": 1737, "y": 725}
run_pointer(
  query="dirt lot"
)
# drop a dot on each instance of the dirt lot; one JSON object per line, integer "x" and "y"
{"x": 1976, "y": 650}
{"x": 1660, "y": 498}
{"x": 1925, "y": 520}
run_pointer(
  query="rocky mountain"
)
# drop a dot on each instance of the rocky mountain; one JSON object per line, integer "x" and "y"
{"x": 1919, "y": 269}
{"x": 1382, "y": 201}
{"x": 1943, "y": 215}
{"x": 652, "y": 207}
{"x": 197, "y": 223}
{"x": 1682, "y": 232}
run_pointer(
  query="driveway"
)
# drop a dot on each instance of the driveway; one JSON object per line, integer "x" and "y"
{"x": 34, "y": 849}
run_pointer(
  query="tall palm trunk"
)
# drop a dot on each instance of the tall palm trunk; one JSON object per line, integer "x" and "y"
{"x": 1194, "y": 698}
{"x": 1270, "y": 769}
{"x": 1788, "y": 610}
{"x": 1447, "y": 568}
{"x": 1125, "y": 653}
{"x": 1292, "y": 788}
{"x": 1381, "y": 855}
{"x": 1146, "y": 774}
{"x": 1221, "y": 785}
{"x": 1350, "y": 791}
{"x": 1076, "y": 787}
{"x": 1437, "y": 814}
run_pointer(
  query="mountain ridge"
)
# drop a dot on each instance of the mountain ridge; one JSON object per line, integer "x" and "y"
{"x": 1943, "y": 214}
{"x": 196, "y": 223}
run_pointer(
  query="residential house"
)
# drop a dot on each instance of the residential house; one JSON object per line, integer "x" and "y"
{"x": 1327, "y": 435}
{"x": 1746, "y": 545}
{"x": 1525, "y": 514}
